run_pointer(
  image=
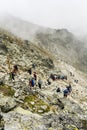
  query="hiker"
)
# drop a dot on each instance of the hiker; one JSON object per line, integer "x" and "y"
{"x": 31, "y": 82}
{"x": 48, "y": 81}
{"x": 63, "y": 77}
{"x": 14, "y": 71}
{"x": 30, "y": 71}
{"x": 33, "y": 65}
{"x": 39, "y": 83}
{"x": 69, "y": 88}
{"x": 15, "y": 68}
{"x": 76, "y": 81}
{"x": 58, "y": 90}
{"x": 52, "y": 76}
{"x": 58, "y": 76}
{"x": 35, "y": 76}
{"x": 66, "y": 92}
{"x": 12, "y": 75}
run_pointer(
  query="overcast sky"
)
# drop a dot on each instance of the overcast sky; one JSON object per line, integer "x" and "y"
{"x": 70, "y": 14}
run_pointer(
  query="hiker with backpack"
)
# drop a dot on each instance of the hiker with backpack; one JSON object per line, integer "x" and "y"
{"x": 65, "y": 92}
{"x": 68, "y": 90}
{"x": 39, "y": 83}
{"x": 31, "y": 82}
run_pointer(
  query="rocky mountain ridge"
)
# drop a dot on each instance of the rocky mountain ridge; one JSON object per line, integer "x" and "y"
{"x": 23, "y": 108}
{"x": 59, "y": 42}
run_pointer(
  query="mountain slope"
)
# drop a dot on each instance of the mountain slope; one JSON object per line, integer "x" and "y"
{"x": 64, "y": 44}
{"x": 44, "y": 109}
{"x": 61, "y": 43}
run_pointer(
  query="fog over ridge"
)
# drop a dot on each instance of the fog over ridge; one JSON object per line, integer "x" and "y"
{"x": 70, "y": 14}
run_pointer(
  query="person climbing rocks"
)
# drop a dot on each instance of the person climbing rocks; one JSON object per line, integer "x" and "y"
{"x": 39, "y": 83}
{"x": 76, "y": 81}
{"x": 48, "y": 81}
{"x": 66, "y": 92}
{"x": 35, "y": 76}
{"x": 69, "y": 88}
{"x": 14, "y": 71}
{"x": 31, "y": 82}
{"x": 33, "y": 65}
{"x": 15, "y": 68}
{"x": 63, "y": 77}
{"x": 52, "y": 76}
{"x": 58, "y": 90}
{"x": 12, "y": 75}
{"x": 30, "y": 71}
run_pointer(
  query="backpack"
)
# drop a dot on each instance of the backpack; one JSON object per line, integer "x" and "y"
{"x": 32, "y": 82}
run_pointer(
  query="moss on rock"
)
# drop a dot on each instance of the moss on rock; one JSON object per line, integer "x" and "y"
{"x": 7, "y": 90}
{"x": 35, "y": 104}
{"x": 72, "y": 127}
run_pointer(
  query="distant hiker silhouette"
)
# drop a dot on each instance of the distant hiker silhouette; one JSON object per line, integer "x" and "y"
{"x": 35, "y": 76}
{"x": 30, "y": 71}
{"x": 39, "y": 83}
{"x": 68, "y": 90}
{"x": 48, "y": 81}
{"x": 33, "y": 65}
{"x": 58, "y": 90}
{"x": 14, "y": 71}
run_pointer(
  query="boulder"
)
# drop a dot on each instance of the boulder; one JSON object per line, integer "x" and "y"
{"x": 8, "y": 106}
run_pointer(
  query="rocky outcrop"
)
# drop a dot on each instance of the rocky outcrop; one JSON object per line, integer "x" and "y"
{"x": 8, "y": 105}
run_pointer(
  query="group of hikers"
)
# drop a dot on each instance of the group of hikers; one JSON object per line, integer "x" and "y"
{"x": 33, "y": 79}
{"x": 55, "y": 76}
{"x": 68, "y": 89}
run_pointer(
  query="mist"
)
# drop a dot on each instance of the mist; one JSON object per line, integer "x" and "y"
{"x": 70, "y": 14}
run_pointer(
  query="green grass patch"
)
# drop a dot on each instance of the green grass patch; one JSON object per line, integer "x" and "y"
{"x": 7, "y": 90}
{"x": 35, "y": 104}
